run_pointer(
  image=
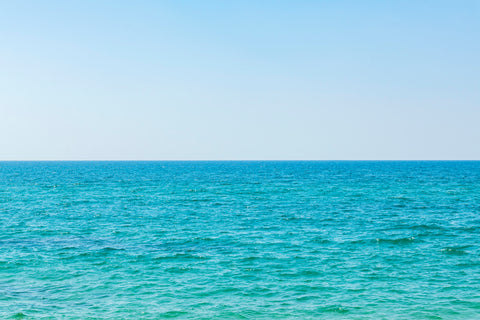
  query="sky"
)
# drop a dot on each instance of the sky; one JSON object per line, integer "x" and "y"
{"x": 239, "y": 80}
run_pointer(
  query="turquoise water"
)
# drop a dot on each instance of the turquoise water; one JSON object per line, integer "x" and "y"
{"x": 240, "y": 240}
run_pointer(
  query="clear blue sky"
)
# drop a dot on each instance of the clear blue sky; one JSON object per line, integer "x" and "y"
{"x": 239, "y": 79}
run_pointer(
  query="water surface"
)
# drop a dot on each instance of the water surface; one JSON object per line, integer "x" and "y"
{"x": 240, "y": 240}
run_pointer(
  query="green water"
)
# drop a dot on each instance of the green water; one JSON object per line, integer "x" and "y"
{"x": 239, "y": 240}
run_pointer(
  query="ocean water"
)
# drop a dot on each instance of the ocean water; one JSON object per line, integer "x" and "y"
{"x": 240, "y": 240}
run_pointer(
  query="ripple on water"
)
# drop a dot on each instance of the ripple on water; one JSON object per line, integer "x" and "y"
{"x": 458, "y": 250}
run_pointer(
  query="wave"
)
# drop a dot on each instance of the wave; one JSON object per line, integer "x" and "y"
{"x": 399, "y": 241}
{"x": 455, "y": 250}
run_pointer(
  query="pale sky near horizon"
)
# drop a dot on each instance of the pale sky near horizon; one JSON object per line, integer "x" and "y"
{"x": 165, "y": 80}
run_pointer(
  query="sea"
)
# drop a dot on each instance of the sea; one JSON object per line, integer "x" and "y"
{"x": 240, "y": 240}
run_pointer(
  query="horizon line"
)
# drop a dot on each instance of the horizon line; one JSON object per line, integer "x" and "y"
{"x": 228, "y": 160}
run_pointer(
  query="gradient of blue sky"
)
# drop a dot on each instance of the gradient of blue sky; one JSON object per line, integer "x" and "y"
{"x": 239, "y": 79}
